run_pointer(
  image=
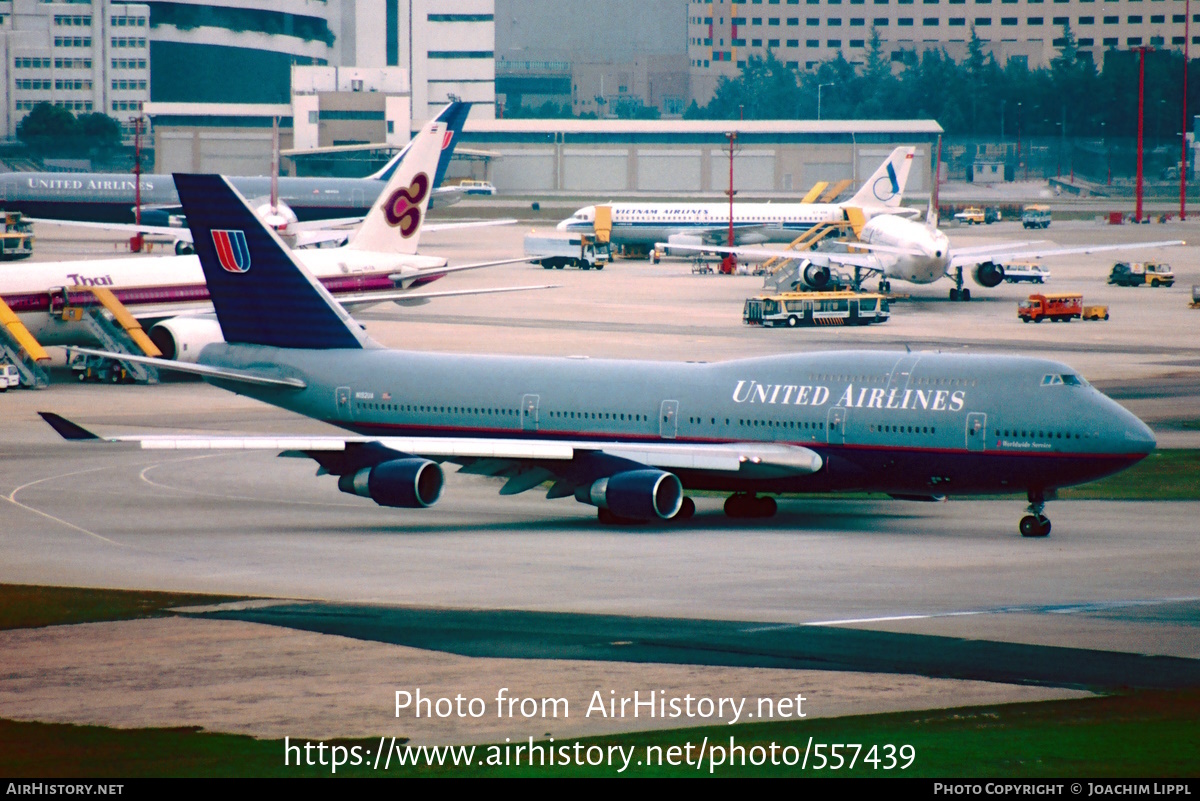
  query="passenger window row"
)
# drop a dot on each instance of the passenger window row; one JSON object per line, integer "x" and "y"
{"x": 903, "y": 429}
{"x": 1031, "y": 434}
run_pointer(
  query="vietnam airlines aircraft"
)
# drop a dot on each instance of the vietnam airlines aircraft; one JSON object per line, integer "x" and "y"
{"x": 631, "y": 438}
{"x": 753, "y": 223}
{"x": 110, "y": 197}
{"x": 168, "y": 294}
{"x": 918, "y": 252}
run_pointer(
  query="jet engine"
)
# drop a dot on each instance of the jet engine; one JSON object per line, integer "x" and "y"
{"x": 411, "y": 483}
{"x": 814, "y": 276}
{"x": 636, "y": 494}
{"x": 182, "y": 338}
{"x": 689, "y": 240}
{"x": 988, "y": 274}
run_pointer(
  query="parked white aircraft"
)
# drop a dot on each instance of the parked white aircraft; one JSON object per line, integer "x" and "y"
{"x": 680, "y": 224}
{"x": 919, "y": 253}
{"x": 168, "y": 294}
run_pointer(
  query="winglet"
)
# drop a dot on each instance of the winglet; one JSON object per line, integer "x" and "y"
{"x": 65, "y": 428}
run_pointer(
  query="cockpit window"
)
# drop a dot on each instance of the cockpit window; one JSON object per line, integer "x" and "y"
{"x": 1056, "y": 379}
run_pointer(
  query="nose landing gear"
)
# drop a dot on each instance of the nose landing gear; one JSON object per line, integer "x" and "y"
{"x": 1035, "y": 524}
{"x": 959, "y": 293}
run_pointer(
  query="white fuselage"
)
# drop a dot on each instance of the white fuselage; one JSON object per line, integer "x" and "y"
{"x": 183, "y": 273}
{"x": 911, "y": 235}
{"x": 753, "y": 223}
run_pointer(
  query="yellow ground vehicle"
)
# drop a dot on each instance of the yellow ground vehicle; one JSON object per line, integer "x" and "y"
{"x": 795, "y": 309}
{"x": 16, "y": 240}
{"x": 1134, "y": 273}
{"x": 1095, "y": 312}
{"x": 971, "y": 216}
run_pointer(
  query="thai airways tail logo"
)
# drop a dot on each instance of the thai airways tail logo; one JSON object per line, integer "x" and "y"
{"x": 403, "y": 209}
{"x": 232, "y": 250}
{"x": 887, "y": 186}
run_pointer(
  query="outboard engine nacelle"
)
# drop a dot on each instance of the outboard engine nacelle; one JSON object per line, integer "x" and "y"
{"x": 636, "y": 494}
{"x": 690, "y": 240}
{"x": 988, "y": 274}
{"x": 412, "y": 483}
{"x": 182, "y": 338}
{"x": 815, "y": 276}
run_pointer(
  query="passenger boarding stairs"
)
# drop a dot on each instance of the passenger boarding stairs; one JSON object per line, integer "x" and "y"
{"x": 114, "y": 327}
{"x": 20, "y": 349}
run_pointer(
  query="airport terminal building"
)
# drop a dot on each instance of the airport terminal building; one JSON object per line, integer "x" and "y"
{"x": 655, "y": 157}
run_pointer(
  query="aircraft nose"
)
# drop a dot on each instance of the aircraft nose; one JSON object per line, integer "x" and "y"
{"x": 562, "y": 226}
{"x": 1138, "y": 436}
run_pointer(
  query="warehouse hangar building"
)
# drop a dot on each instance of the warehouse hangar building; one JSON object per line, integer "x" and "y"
{"x": 782, "y": 157}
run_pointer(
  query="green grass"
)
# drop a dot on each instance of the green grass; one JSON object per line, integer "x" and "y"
{"x": 1143, "y": 734}
{"x": 1164, "y": 475}
{"x": 25, "y": 606}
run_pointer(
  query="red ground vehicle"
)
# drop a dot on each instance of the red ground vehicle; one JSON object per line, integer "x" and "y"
{"x": 1058, "y": 307}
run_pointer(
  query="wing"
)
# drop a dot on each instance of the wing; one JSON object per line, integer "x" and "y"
{"x": 1003, "y": 251}
{"x": 523, "y": 463}
{"x": 865, "y": 261}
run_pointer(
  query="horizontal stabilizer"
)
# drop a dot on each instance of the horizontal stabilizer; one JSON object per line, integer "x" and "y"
{"x": 65, "y": 428}
{"x": 203, "y": 370}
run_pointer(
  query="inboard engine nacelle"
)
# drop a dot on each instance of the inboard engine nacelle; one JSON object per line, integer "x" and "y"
{"x": 411, "y": 483}
{"x": 636, "y": 494}
{"x": 988, "y": 274}
{"x": 182, "y": 338}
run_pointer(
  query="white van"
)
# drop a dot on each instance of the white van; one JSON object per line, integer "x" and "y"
{"x": 9, "y": 377}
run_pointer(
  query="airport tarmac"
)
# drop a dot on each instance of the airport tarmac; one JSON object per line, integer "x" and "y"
{"x": 1113, "y": 576}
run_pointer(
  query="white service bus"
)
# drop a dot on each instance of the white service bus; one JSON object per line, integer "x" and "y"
{"x": 794, "y": 309}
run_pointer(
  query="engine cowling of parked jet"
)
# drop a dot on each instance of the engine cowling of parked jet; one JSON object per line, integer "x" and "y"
{"x": 411, "y": 483}
{"x": 182, "y": 338}
{"x": 637, "y": 494}
{"x": 279, "y": 217}
{"x": 815, "y": 276}
{"x": 988, "y": 274}
{"x": 684, "y": 240}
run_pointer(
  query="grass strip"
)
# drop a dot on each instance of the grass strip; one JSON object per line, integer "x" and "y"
{"x": 25, "y": 606}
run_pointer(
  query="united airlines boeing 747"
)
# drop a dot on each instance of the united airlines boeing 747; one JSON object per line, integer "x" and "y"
{"x": 631, "y": 438}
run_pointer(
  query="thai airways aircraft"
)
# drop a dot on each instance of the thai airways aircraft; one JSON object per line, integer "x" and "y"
{"x": 630, "y": 438}
{"x": 918, "y": 252}
{"x": 168, "y": 294}
{"x": 753, "y": 223}
{"x": 110, "y": 197}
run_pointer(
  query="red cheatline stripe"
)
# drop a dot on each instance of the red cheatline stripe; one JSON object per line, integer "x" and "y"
{"x": 224, "y": 250}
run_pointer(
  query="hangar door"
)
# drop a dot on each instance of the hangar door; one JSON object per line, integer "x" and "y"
{"x": 595, "y": 169}
{"x": 752, "y": 171}
{"x": 668, "y": 170}
{"x": 523, "y": 170}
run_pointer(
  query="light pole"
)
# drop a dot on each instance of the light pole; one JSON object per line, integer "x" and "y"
{"x": 820, "y": 86}
{"x": 1183, "y": 160}
{"x": 1141, "y": 51}
{"x": 1020, "y": 158}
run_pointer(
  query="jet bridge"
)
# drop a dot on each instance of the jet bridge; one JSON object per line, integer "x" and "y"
{"x": 19, "y": 348}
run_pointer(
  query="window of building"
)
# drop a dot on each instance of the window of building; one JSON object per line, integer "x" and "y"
{"x": 812, "y": 22}
{"x": 1086, "y": 41}
{"x": 773, "y": 21}
{"x": 756, "y": 42}
{"x": 1008, "y": 21}
{"x": 1133, "y": 40}
{"x": 834, "y": 22}
{"x": 833, "y": 42}
{"x": 857, "y": 43}
{"x": 1112, "y": 20}
{"x": 1061, "y": 21}
{"x": 812, "y": 42}
{"x": 905, "y": 22}
{"x": 930, "y": 22}
{"x": 793, "y": 21}
{"x": 857, "y": 22}
{"x": 772, "y": 43}
{"x": 1158, "y": 19}
{"x": 958, "y": 22}
{"x": 880, "y": 22}
{"x": 981, "y": 22}
{"x": 1087, "y": 20}
{"x": 1034, "y": 21}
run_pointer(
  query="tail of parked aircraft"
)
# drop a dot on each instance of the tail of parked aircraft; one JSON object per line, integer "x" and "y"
{"x": 259, "y": 292}
{"x": 455, "y": 116}
{"x": 393, "y": 225}
{"x": 886, "y": 186}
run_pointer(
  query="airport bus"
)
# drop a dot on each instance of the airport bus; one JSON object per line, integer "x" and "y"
{"x": 794, "y": 309}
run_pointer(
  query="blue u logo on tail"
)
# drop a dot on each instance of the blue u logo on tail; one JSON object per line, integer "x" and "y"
{"x": 232, "y": 251}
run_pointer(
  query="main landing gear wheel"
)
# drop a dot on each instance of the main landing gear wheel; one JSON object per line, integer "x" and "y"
{"x": 744, "y": 505}
{"x": 885, "y": 287}
{"x": 1035, "y": 524}
{"x": 953, "y": 294}
{"x": 686, "y": 509}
